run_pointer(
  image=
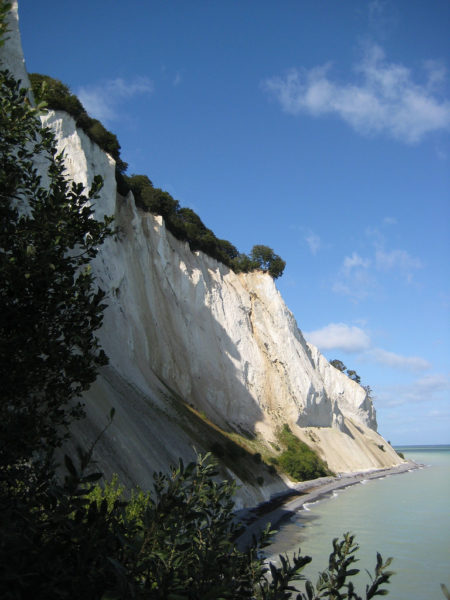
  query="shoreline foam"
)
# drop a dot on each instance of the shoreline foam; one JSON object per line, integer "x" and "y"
{"x": 283, "y": 506}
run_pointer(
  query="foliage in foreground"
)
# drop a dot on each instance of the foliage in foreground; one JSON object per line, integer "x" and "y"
{"x": 50, "y": 306}
{"x": 74, "y": 541}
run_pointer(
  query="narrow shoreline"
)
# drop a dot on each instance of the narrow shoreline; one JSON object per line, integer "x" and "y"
{"x": 286, "y": 504}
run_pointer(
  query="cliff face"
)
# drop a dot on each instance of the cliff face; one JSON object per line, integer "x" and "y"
{"x": 196, "y": 350}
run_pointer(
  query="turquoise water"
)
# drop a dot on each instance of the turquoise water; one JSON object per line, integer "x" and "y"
{"x": 406, "y": 516}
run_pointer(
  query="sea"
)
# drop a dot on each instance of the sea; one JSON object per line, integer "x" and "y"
{"x": 405, "y": 516}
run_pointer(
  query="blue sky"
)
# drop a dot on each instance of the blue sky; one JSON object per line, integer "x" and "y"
{"x": 319, "y": 128}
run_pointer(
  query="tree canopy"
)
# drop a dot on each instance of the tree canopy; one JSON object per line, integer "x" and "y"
{"x": 266, "y": 259}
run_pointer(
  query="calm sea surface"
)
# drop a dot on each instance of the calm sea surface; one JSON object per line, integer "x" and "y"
{"x": 405, "y": 516}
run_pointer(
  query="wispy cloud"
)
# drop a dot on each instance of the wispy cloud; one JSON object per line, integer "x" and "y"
{"x": 357, "y": 287}
{"x": 353, "y": 278}
{"x": 382, "y": 98}
{"x": 339, "y": 336}
{"x": 358, "y": 276}
{"x": 397, "y": 361}
{"x": 355, "y": 261}
{"x": 390, "y": 221}
{"x": 427, "y": 389}
{"x": 396, "y": 260}
{"x": 314, "y": 242}
{"x": 103, "y": 99}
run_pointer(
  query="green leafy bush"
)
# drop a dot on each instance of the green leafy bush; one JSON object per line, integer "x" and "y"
{"x": 298, "y": 460}
{"x": 50, "y": 306}
{"x": 267, "y": 260}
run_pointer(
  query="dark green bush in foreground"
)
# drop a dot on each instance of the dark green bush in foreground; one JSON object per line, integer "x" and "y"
{"x": 298, "y": 460}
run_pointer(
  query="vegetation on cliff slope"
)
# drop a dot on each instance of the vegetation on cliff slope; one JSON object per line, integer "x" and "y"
{"x": 182, "y": 222}
{"x": 339, "y": 365}
{"x": 299, "y": 460}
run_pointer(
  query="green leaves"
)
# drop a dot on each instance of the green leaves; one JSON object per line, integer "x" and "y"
{"x": 299, "y": 460}
{"x": 50, "y": 306}
{"x": 266, "y": 259}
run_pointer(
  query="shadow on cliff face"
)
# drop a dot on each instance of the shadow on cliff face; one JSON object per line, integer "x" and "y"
{"x": 170, "y": 352}
{"x": 219, "y": 389}
{"x": 181, "y": 312}
{"x": 208, "y": 437}
{"x": 151, "y": 432}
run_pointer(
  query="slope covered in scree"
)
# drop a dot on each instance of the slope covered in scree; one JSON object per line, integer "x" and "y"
{"x": 202, "y": 358}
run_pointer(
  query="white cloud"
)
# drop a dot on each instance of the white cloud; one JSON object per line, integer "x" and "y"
{"x": 102, "y": 100}
{"x": 397, "y": 361}
{"x": 390, "y": 221}
{"x": 313, "y": 242}
{"x": 339, "y": 336}
{"x": 384, "y": 99}
{"x": 177, "y": 79}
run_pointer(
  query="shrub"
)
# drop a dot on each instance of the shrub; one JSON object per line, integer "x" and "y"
{"x": 298, "y": 460}
{"x": 50, "y": 306}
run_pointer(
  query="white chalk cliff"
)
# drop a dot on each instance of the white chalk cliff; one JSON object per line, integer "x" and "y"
{"x": 196, "y": 350}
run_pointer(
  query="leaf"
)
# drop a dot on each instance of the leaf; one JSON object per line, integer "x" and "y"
{"x": 91, "y": 478}
{"x": 70, "y": 466}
